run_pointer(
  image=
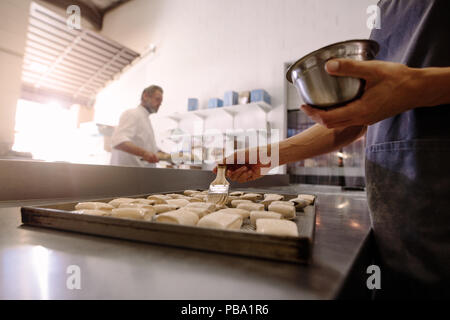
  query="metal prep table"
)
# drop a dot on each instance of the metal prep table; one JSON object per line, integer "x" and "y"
{"x": 34, "y": 262}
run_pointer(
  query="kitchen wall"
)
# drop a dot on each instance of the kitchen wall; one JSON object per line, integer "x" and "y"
{"x": 206, "y": 47}
{"x": 13, "y": 26}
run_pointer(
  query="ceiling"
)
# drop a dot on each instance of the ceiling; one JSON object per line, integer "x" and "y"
{"x": 68, "y": 65}
{"x": 93, "y": 10}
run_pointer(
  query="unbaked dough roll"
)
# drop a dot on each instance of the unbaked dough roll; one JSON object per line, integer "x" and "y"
{"x": 221, "y": 220}
{"x": 200, "y": 196}
{"x": 134, "y": 205}
{"x": 299, "y": 203}
{"x": 243, "y": 213}
{"x": 286, "y": 203}
{"x": 258, "y": 214}
{"x": 94, "y": 206}
{"x": 204, "y": 205}
{"x": 150, "y": 210}
{"x": 159, "y": 198}
{"x": 116, "y": 202}
{"x": 181, "y": 216}
{"x": 93, "y": 212}
{"x": 251, "y": 196}
{"x": 190, "y": 193}
{"x": 230, "y": 199}
{"x": 178, "y": 202}
{"x": 235, "y": 203}
{"x": 308, "y": 197}
{"x": 251, "y": 206}
{"x": 271, "y": 197}
{"x": 277, "y": 227}
{"x": 236, "y": 193}
{"x": 143, "y": 201}
{"x": 133, "y": 213}
{"x": 288, "y": 211}
{"x": 220, "y": 207}
{"x": 200, "y": 212}
{"x": 160, "y": 208}
{"x": 174, "y": 195}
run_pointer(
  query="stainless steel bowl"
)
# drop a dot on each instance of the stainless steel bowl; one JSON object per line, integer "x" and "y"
{"x": 320, "y": 89}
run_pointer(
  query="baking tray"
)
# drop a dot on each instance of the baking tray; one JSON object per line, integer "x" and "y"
{"x": 238, "y": 242}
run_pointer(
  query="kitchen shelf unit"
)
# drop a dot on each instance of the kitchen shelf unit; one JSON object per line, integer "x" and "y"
{"x": 231, "y": 111}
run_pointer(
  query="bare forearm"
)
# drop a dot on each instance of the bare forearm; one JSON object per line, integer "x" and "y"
{"x": 317, "y": 140}
{"x": 131, "y": 148}
{"x": 432, "y": 86}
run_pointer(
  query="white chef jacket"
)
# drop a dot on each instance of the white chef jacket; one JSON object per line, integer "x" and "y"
{"x": 134, "y": 126}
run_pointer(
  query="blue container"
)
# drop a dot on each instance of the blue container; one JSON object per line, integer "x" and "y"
{"x": 192, "y": 104}
{"x": 215, "y": 103}
{"x": 230, "y": 98}
{"x": 259, "y": 95}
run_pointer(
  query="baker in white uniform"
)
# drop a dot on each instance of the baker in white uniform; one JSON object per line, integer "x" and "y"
{"x": 133, "y": 141}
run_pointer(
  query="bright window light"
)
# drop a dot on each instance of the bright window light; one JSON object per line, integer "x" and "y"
{"x": 49, "y": 131}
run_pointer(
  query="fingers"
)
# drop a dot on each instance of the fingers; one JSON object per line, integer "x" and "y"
{"x": 340, "y": 117}
{"x": 235, "y": 174}
{"x": 244, "y": 174}
{"x": 352, "y": 68}
{"x": 315, "y": 114}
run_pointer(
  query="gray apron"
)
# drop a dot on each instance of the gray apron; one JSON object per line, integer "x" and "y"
{"x": 408, "y": 161}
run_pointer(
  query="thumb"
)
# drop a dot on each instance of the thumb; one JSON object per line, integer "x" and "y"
{"x": 351, "y": 68}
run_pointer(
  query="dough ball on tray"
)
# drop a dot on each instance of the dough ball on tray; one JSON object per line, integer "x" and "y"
{"x": 277, "y": 227}
{"x": 94, "y": 206}
{"x": 251, "y": 196}
{"x": 190, "y": 193}
{"x": 159, "y": 198}
{"x": 134, "y": 213}
{"x": 221, "y": 220}
{"x": 251, "y": 206}
{"x": 300, "y": 203}
{"x": 271, "y": 197}
{"x": 94, "y": 212}
{"x": 116, "y": 202}
{"x": 243, "y": 213}
{"x": 308, "y": 197}
{"x": 204, "y": 205}
{"x": 235, "y": 203}
{"x": 200, "y": 212}
{"x": 258, "y": 214}
{"x": 287, "y": 210}
{"x": 178, "y": 202}
{"x": 181, "y": 216}
{"x": 161, "y": 208}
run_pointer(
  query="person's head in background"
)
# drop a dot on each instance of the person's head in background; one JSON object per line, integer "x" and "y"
{"x": 151, "y": 98}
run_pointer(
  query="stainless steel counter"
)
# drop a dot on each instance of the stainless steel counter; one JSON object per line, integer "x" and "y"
{"x": 34, "y": 262}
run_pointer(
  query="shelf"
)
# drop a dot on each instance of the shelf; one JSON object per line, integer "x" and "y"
{"x": 230, "y": 110}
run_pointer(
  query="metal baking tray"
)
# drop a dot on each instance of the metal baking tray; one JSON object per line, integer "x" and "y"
{"x": 243, "y": 242}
